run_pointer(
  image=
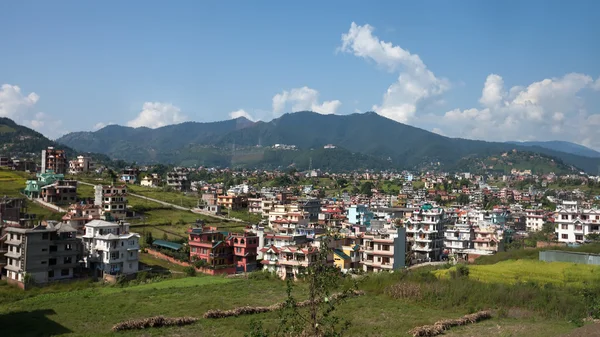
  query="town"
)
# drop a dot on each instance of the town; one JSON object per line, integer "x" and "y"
{"x": 381, "y": 221}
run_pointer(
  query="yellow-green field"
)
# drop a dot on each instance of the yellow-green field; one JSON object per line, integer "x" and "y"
{"x": 557, "y": 273}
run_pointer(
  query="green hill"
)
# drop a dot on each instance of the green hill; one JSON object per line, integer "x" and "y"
{"x": 369, "y": 134}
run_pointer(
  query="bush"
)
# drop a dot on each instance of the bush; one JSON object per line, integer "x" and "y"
{"x": 261, "y": 275}
{"x": 200, "y": 264}
{"x": 189, "y": 271}
{"x": 461, "y": 271}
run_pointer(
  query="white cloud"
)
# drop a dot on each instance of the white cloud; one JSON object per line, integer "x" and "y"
{"x": 302, "y": 99}
{"x": 438, "y": 131}
{"x": 240, "y": 113}
{"x": 416, "y": 84}
{"x": 20, "y": 107}
{"x": 544, "y": 110}
{"x": 157, "y": 114}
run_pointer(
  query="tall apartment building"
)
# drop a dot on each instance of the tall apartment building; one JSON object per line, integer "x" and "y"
{"x": 109, "y": 248}
{"x": 55, "y": 160}
{"x": 112, "y": 201}
{"x": 81, "y": 165}
{"x": 425, "y": 233}
{"x": 384, "y": 252}
{"x": 458, "y": 239}
{"x": 574, "y": 222}
{"x": 45, "y": 253}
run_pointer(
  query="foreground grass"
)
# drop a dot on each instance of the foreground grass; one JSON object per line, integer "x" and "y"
{"x": 158, "y": 264}
{"x": 540, "y": 272}
{"x": 45, "y": 312}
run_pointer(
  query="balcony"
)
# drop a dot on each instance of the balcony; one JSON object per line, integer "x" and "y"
{"x": 13, "y": 255}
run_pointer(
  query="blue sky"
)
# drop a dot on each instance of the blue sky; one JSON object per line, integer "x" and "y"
{"x": 495, "y": 70}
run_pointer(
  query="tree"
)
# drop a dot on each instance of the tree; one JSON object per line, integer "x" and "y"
{"x": 366, "y": 188}
{"x": 462, "y": 199}
{"x": 148, "y": 239}
{"x": 319, "y": 318}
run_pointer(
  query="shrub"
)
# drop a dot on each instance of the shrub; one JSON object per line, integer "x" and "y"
{"x": 261, "y": 275}
{"x": 189, "y": 271}
{"x": 461, "y": 271}
{"x": 153, "y": 322}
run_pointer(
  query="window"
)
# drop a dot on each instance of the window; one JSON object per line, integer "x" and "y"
{"x": 44, "y": 236}
{"x": 44, "y": 249}
{"x": 564, "y": 226}
{"x": 122, "y": 243}
{"x": 68, "y": 260}
{"x": 64, "y": 272}
{"x": 579, "y": 237}
{"x": 44, "y": 262}
{"x": 564, "y": 217}
{"x": 564, "y": 236}
{"x": 68, "y": 247}
{"x": 579, "y": 228}
{"x": 50, "y": 273}
{"x": 52, "y": 262}
{"x": 130, "y": 266}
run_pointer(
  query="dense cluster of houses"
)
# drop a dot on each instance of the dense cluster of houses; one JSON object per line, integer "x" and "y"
{"x": 371, "y": 232}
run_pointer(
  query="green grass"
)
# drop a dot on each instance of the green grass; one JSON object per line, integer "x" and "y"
{"x": 176, "y": 198}
{"x": 11, "y": 184}
{"x": 533, "y": 254}
{"x": 78, "y": 311}
{"x": 6, "y": 129}
{"x": 540, "y": 272}
{"x": 159, "y": 264}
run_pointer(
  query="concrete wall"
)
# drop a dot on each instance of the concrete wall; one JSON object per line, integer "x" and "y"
{"x": 573, "y": 257}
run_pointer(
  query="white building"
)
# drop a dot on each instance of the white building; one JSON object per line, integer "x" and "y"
{"x": 151, "y": 180}
{"x": 573, "y": 222}
{"x": 109, "y": 248}
{"x": 112, "y": 200}
{"x": 81, "y": 165}
{"x": 425, "y": 233}
{"x": 534, "y": 219}
{"x": 458, "y": 239}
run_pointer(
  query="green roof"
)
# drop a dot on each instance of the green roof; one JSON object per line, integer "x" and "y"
{"x": 167, "y": 244}
{"x": 341, "y": 254}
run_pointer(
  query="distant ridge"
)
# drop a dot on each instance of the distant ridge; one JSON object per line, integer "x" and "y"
{"x": 402, "y": 146}
{"x": 563, "y": 146}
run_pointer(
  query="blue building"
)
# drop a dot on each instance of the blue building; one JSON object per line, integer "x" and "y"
{"x": 359, "y": 215}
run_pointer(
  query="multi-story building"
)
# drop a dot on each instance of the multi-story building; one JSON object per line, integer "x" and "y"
{"x": 59, "y": 192}
{"x": 151, "y": 180}
{"x": 43, "y": 253}
{"x": 129, "y": 175}
{"x": 112, "y": 201}
{"x": 488, "y": 238}
{"x": 79, "y": 214}
{"x": 458, "y": 238}
{"x": 425, "y": 233}
{"x": 288, "y": 262}
{"x": 229, "y": 253}
{"x": 178, "y": 179}
{"x": 535, "y": 219}
{"x": 232, "y": 202}
{"x": 255, "y": 205}
{"x": 81, "y": 165}
{"x": 287, "y": 214}
{"x": 384, "y": 252}
{"x": 359, "y": 215}
{"x": 54, "y": 160}
{"x": 574, "y": 222}
{"x": 312, "y": 207}
{"x": 109, "y": 248}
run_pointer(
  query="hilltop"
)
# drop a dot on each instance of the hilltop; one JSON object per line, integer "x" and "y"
{"x": 18, "y": 140}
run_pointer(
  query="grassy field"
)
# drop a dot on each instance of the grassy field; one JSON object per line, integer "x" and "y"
{"x": 92, "y": 311}
{"x": 189, "y": 200}
{"x": 159, "y": 264}
{"x": 12, "y": 182}
{"x": 540, "y": 272}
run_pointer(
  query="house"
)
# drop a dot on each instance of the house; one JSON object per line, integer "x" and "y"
{"x": 178, "y": 179}
{"x": 255, "y": 205}
{"x": 535, "y": 219}
{"x": 312, "y": 206}
{"x": 81, "y": 165}
{"x": 33, "y": 188}
{"x": 229, "y": 253}
{"x": 79, "y": 214}
{"x": 43, "y": 253}
{"x": 54, "y": 160}
{"x": 287, "y": 214}
{"x": 232, "y": 202}
{"x": 109, "y": 248}
{"x": 12, "y": 209}
{"x": 487, "y": 238}
{"x": 290, "y": 261}
{"x": 458, "y": 239}
{"x": 151, "y": 180}
{"x": 574, "y": 222}
{"x": 384, "y": 252}
{"x": 59, "y": 192}
{"x": 112, "y": 201}
{"x": 129, "y": 175}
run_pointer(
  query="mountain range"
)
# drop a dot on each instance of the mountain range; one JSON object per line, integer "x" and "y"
{"x": 21, "y": 141}
{"x": 360, "y": 139}
{"x": 562, "y": 146}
